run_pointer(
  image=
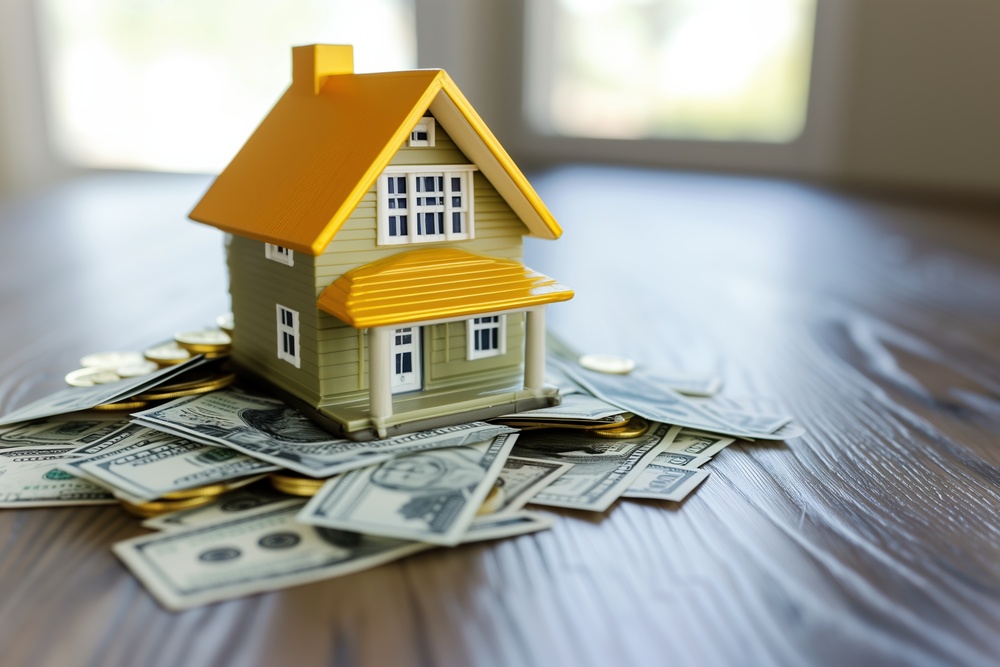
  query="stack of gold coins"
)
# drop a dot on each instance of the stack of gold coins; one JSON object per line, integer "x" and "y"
{"x": 158, "y": 507}
{"x": 209, "y": 342}
{"x": 633, "y": 428}
{"x": 195, "y": 383}
{"x": 183, "y": 499}
{"x": 295, "y": 484}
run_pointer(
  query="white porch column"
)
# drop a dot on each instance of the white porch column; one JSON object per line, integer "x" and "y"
{"x": 379, "y": 376}
{"x": 534, "y": 349}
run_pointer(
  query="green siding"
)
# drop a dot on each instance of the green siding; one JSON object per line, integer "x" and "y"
{"x": 333, "y": 368}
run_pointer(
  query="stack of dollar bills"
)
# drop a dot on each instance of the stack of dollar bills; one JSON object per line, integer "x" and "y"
{"x": 246, "y": 495}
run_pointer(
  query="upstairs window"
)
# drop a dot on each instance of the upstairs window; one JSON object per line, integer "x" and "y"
{"x": 279, "y": 254}
{"x": 425, "y": 204}
{"x": 422, "y": 134}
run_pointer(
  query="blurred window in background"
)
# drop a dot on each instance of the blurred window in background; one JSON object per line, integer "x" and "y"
{"x": 717, "y": 70}
{"x": 180, "y": 85}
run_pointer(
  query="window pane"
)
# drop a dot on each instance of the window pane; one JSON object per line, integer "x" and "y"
{"x": 180, "y": 85}
{"x": 725, "y": 70}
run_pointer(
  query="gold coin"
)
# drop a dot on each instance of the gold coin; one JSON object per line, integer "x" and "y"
{"x": 167, "y": 354}
{"x": 633, "y": 428}
{"x": 124, "y": 405}
{"x": 91, "y": 376}
{"x": 207, "y": 490}
{"x": 295, "y": 485}
{"x": 607, "y": 363}
{"x": 494, "y": 500}
{"x": 532, "y": 425}
{"x": 226, "y": 322}
{"x": 158, "y": 507}
{"x": 110, "y": 360}
{"x": 208, "y": 341}
{"x": 166, "y": 393}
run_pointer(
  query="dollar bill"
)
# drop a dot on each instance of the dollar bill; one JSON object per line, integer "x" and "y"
{"x": 573, "y": 407}
{"x": 254, "y": 552}
{"x": 696, "y": 443}
{"x": 688, "y": 384}
{"x": 665, "y": 482}
{"x": 680, "y": 459}
{"x": 29, "y": 478}
{"x": 602, "y": 468}
{"x": 228, "y": 506}
{"x": 75, "y": 399}
{"x": 645, "y": 396}
{"x": 430, "y": 496}
{"x": 75, "y": 430}
{"x": 522, "y": 478}
{"x": 509, "y": 524}
{"x": 269, "y": 430}
{"x": 149, "y": 464}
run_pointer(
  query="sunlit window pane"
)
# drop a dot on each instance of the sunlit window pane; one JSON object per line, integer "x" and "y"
{"x": 731, "y": 70}
{"x": 180, "y": 85}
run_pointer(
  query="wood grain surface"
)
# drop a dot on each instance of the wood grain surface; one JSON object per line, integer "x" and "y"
{"x": 872, "y": 540}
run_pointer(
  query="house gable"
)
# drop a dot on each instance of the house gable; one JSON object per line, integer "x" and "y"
{"x": 312, "y": 160}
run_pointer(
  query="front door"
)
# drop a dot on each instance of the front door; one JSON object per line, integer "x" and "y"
{"x": 406, "y": 360}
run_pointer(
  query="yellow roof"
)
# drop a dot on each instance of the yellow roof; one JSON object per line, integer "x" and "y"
{"x": 433, "y": 284}
{"x": 320, "y": 149}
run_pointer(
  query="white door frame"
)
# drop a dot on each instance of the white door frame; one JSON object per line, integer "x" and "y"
{"x": 405, "y": 342}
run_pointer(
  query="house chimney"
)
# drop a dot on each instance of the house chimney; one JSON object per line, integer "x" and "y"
{"x": 312, "y": 64}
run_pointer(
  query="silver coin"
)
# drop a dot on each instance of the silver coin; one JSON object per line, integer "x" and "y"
{"x": 110, "y": 359}
{"x": 607, "y": 363}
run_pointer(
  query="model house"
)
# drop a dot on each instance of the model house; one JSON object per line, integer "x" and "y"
{"x": 375, "y": 259}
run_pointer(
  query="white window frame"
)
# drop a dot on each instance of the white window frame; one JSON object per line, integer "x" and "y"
{"x": 470, "y": 334}
{"x": 464, "y": 206}
{"x": 279, "y": 254}
{"x": 289, "y": 342}
{"x": 427, "y": 125}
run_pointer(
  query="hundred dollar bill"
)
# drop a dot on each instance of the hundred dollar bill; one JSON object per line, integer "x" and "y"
{"x": 29, "y": 478}
{"x": 680, "y": 459}
{"x": 602, "y": 468}
{"x": 522, "y": 478}
{"x": 75, "y": 430}
{"x": 269, "y": 430}
{"x": 148, "y": 464}
{"x": 573, "y": 407}
{"x": 496, "y": 526}
{"x": 254, "y": 552}
{"x": 227, "y": 506}
{"x": 75, "y": 399}
{"x": 687, "y": 383}
{"x": 696, "y": 443}
{"x": 429, "y": 496}
{"x": 643, "y": 395}
{"x": 665, "y": 482}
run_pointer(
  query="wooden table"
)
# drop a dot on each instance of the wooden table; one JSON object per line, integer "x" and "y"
{"x": 872, "y": 540}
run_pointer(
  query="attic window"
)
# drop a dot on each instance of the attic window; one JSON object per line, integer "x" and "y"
{"x": 422, "y": 134}
{"x": 279, "y": 254}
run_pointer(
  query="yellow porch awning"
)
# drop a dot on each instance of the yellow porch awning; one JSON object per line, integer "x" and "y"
{"x": 434, "y": 284}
